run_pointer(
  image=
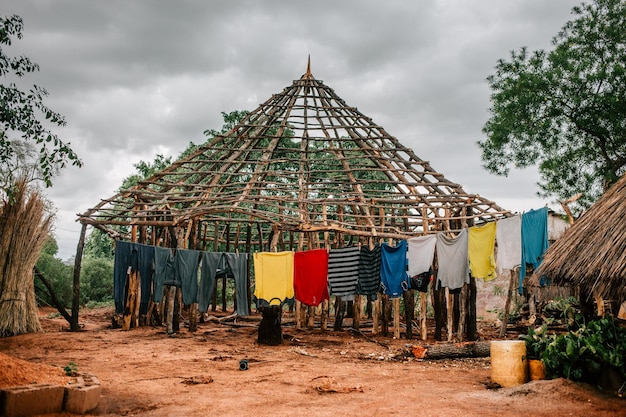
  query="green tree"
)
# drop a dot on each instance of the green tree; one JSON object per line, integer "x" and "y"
{"x": 56, "y": 272}
{"x": 564, "y": 109}
{"x": 23, "y": 113}
{"x": 96, "y": 280}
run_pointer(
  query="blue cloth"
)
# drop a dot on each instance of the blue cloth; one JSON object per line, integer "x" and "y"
{"x": 534, "y": 240}
{"x": 394, "y": 279}
{"x": 131, "y": 257}
{"x": 237, "y": 265}
{"x": 120, "y": 273}
{"x": 146, "y": 271}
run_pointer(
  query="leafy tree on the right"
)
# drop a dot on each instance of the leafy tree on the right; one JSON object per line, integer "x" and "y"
{"x": 564, "y": 110}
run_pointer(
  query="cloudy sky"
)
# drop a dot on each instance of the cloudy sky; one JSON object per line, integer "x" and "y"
{"x": 139, "y": 78}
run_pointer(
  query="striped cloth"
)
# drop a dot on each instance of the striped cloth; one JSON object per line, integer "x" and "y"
{"x": 343, "y": 271}
{"x": 369, "y": 271}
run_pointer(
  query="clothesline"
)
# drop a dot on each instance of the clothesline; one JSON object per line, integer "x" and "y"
{"x": 312, "y": 276}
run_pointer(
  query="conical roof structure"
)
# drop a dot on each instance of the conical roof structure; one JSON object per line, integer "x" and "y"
{"x": 302, "y": 162}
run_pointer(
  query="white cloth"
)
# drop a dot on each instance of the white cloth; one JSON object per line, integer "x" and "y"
{"x": 420, "y": 253}
{"x": 509, "y": 240}
{"x": 453, "y": 261}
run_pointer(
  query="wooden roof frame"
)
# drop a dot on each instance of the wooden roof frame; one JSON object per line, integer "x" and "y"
{"x": 302, "y": 162}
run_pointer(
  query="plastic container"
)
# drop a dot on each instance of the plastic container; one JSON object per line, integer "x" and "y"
{"x": 509, "y": 365}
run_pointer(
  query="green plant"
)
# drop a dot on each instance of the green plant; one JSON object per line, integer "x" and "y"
{"x": 536, "y": 341}
{"x": 71, "y": 369}
{"x": 588, "y": 352}
{"x": 564, "y": 310}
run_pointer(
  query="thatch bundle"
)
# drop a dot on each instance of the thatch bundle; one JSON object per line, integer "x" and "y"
{"x": 24, "y": 226}
{"x": 592, "y": 253}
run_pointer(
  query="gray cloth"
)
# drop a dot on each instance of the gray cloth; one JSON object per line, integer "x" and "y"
{"x": 186, "y": 265}
{"x": 237, "y": 264}
{"x": 452, "y": 256}
{"x": 209, "y": 265}
{"x": 163, "y": 271}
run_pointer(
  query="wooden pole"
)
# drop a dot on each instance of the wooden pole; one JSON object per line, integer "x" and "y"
{"x": 396, "y": 318}
{"x": 507, "y": 304}
{"x": 169, "y": 308}
{"x": 450, "y": 311}
{"x": 423, "y": 308}
{"x": 76, "y": 279}
{"x": 409, "y": 311}
{"x": 462, "y": 328}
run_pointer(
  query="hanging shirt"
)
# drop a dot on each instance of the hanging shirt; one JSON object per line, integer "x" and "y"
{"x": 509, "y": 239}
{"x": 343, "y": 271}
{"x": 481, "y": 243}
{"x": 310, "y": 276}
{"x": 273, "y": 272}
{"x": 452, "y": 259}
{"x": 534, "y": 240}
{"x": 369, "y": 271}
{"x": 393, "y": 277}
{"x": 420, "y": 253}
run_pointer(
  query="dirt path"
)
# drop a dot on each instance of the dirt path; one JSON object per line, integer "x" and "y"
{"x": 145, "y": 372}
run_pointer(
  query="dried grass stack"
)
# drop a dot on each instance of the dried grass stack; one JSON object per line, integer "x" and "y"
{"x": 24, "y": 226}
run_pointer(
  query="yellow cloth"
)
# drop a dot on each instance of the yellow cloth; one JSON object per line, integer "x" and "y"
{"x": 273, "y": 272}
{"x": 481, "y": 251}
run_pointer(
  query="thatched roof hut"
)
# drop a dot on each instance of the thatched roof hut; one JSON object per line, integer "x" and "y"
{"x": 592, "y": 253}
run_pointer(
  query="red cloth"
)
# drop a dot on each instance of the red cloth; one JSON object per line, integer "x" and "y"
{"x": 310, "y": 276}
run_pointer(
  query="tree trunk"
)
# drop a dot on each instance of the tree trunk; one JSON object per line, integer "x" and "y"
{"x": 452, "y": 350}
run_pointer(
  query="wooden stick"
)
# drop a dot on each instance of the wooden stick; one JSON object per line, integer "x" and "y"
{"x": 423, "y": 307}
{"x": 396, "y": 318}
{"x": 507, "y": 304}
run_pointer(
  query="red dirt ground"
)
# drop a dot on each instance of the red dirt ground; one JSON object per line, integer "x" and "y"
{"x": 145, "y": 372}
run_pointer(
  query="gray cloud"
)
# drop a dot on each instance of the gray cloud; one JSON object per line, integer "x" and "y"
{"x": 139, "y": 78}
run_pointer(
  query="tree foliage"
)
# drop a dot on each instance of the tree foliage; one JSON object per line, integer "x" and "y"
{"x": 564, "y": 109}
{"x": 23, "y": 114}
{"x": 56, "y": 272}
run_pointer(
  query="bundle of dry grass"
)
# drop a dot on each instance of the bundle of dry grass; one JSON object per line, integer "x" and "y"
{"x": 592, "y": 253}
{"x": 24, "y": 226}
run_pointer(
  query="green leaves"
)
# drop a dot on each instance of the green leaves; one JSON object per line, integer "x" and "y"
{"x": 564, "y": 109}
{"x": 582, "y": 354}
{"x": 22, "y": 112}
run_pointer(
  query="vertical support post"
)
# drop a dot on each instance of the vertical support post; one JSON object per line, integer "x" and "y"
{"x": 450, "y": 311}
{"x": 396, "y": 318}
{"x": 76, "y": 279}
{"x": 409, "y": 311}
{"x": 507, "y": 304}
{"x": 423, "y": 308}
{"x": 356, "y": 316}
{"x": 463, "y": 301}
